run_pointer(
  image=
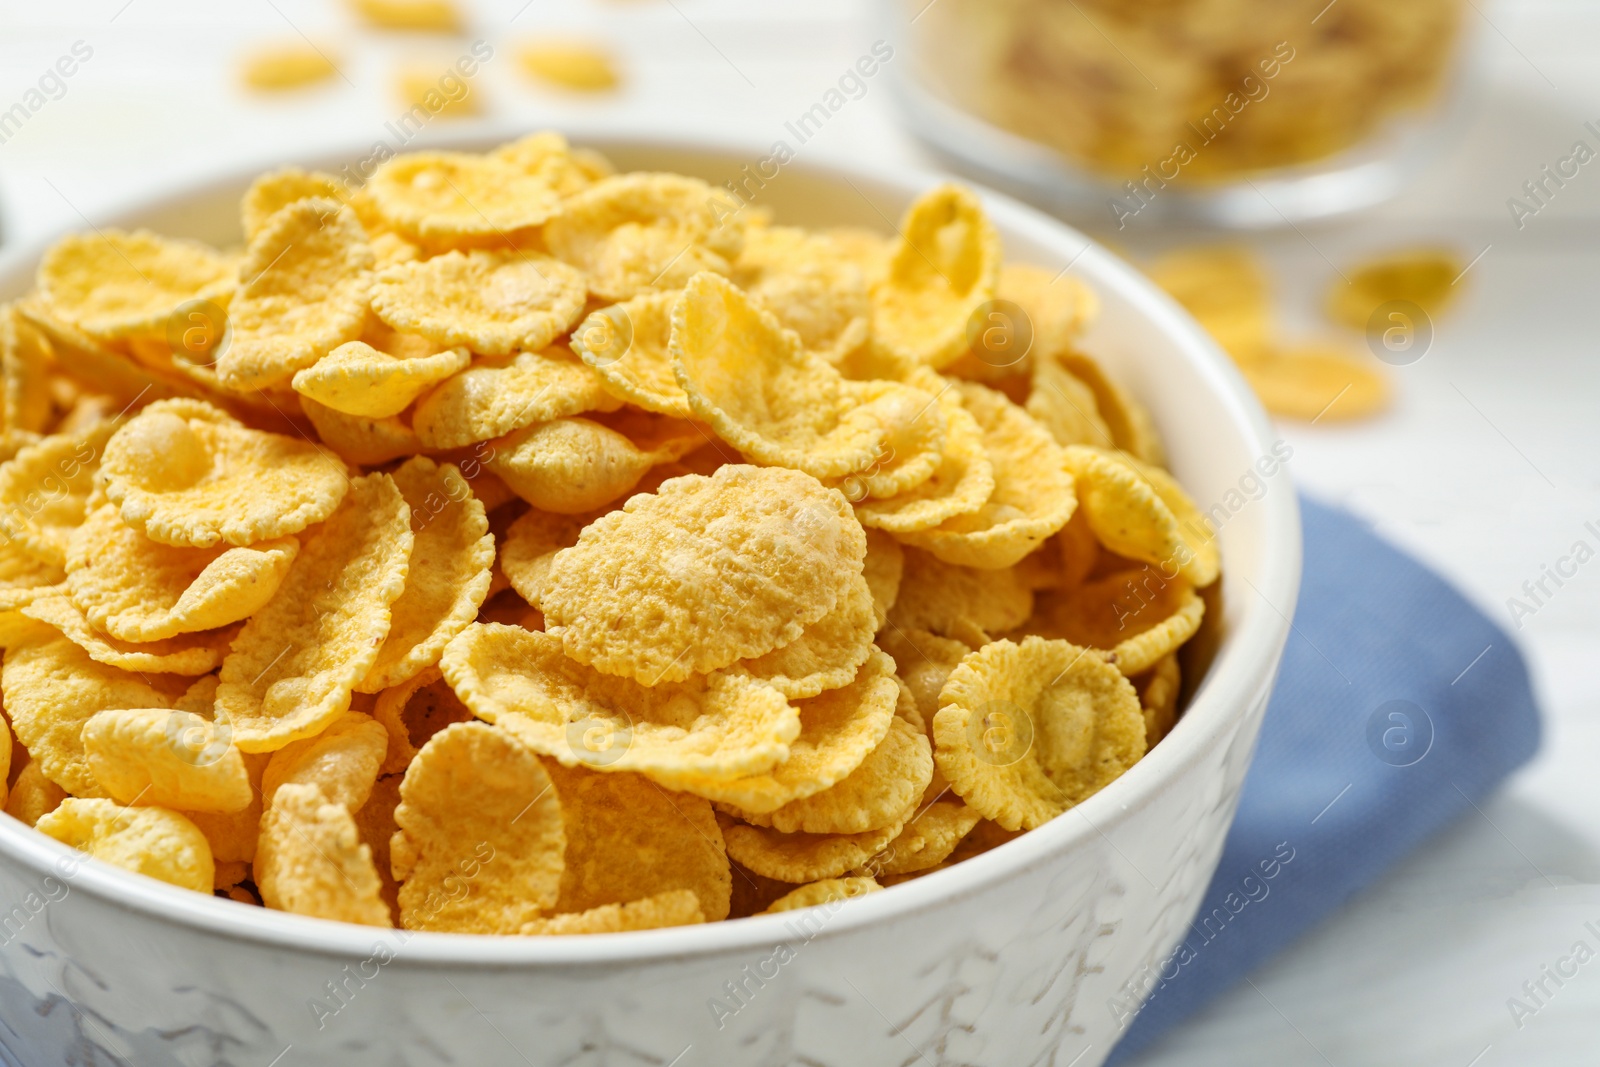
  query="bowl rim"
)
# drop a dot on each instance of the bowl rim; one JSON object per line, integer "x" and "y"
{"x": 1237, "y": 679}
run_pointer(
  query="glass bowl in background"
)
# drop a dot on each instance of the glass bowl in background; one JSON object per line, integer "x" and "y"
{"x": 1237, "y": 113}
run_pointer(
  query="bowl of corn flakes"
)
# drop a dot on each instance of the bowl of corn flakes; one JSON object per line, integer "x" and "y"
{"x": 618, "y": 599}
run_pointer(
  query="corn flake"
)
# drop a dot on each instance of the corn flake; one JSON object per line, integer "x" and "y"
{"x": 927, "y": 840}
{"x": 45, "y": 488}
{"x": 153, "y": 842}
{"x": 494, "y": 397}
{"x": 276, "y": 190}
{"x": 959, "y": 486}
{"x": 343, "y": 761}
{"x": 311, "y": 861}
{"x": 827, "y": 653}
{"x": 1142, "y": 513}
{"x": 799, "y": 858}
{"x": 459, "y": 197}
{"x": 827, "y": 891}
{"x": 113, "y": 284}
{"x": 481, "y": 845}
{"x": 494, "y": 303}
{"x": 357, "y": 379}
{"x": 166, "y": 759}
{"x": 295, "y": 663}
{"x": 569, "y": 64}
{"x": 530, "y": 546}
{"x": 627, "y": 345}
{"x": 680, "y": 907}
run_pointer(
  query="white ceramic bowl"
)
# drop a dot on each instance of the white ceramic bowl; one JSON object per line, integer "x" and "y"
{"x": 1012, "y": 958}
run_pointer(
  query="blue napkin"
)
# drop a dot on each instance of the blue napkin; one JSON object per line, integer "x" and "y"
{"x": 1398, "y": 707}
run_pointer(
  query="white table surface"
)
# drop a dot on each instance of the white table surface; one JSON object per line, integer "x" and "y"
{"x": 1487, "y": 467}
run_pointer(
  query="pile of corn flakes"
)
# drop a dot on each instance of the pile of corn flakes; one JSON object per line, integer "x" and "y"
{"x": 512, "y": 546}
{"x": 1207, "y": 89}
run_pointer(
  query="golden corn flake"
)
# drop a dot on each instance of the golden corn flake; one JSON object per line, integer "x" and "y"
{"x": 311, "y": 861}
{"x": 343, "y": 761}
{"x": 627, "y": 345}
{"x": 114, "y": 284}
{"x": 495, "y": 303}
{"x": 276, "y": 190}
{"x": 883, "y": 568}
{"x": 915, "y": 425}
{"x": 448, "y": 579}
{"x": 290, "y": 65}
{"x": 927, "y": 840}
{"x": 1132, "y": 429}
{"x": 1060, "y": 402}
{"x": 457, "y": 196}
{"x": 1142, "y": 513}
{"x": 423, "y": 84}
{"x": 52, "y": 688}
{"x": 547, "y": 155}
{"x": 293, "y": 666}
{"x": 481, "y": 845}
{"x": 44, "y": 491}
{"x": 799, "y": 858}
{"x": 1025, "y": 732}
{"x": 628, "y": 838}
{"x": 23, "y": 578}
{"x": 838, "y": 729}
{"x": 827, "y": 652}
{"x": 1159, "y": 688}
{"x": 704, "y": 572}
{"x": 679, "y": 907}
{"x": 1033, "y": 491}
{"x": 569, "y": 64}
{"x": 151, "y": 841}
{"x": 357, "y": 379}
{"x": 136, "y": 589}
{"x": 438, "y": 16}
{"x": 530, "y": 546}
{"x": 875, "y": 794}
{"x": 569, "y": 466}
{"x": 303, "y": 289}
{"x": 33, "y": 796}
{"x": 187, "y": 474}
{"x": 923, "y": 661}
{"x": 635, "y": 233}
{"x": 1317, "y": 382}
{"x": 959, "y": 602}
{"x": 749, "y": 380}
{"x": 496, "y": 396}
{"x": 943, "y": 268}
{"x": 188, "y": 654}
{"x": 809, "y": 285}
{"x": 358, "y": 440}
{"x": 720, "y": 726}
{"x": 959, "y": 486}
{"x": 826, "y": 891}
{"x": 26, "y": 401}
{"x": 1425, "y": 277}
{"x": 166, "y": 759}
{"x": 1137, "y": 616}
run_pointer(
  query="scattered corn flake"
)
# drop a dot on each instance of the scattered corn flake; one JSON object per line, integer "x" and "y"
{"x": 343, "y": 761}
{"x": 114, "y": 284}
{"x": 646, "y": 594}
{"x": 481, "y": 845}
{"x": 827, "y": 891}
{"x": 838, "y": 729}
{"x": 289, "y": 65}
{"x": 748, "y": 379}
{"x": 1025, "y": 732}
{"x": 438, "y": 16}
{"x": 491, "y": 302}
{"x": 295, "y": 663}
{"x": 150, "y": 841}
{"x": 679, "y": 907}
{"x": 643, "y": 232}
{"x": 569, "y": 63}
{"x": 495, "y": 396}
{"x": 943, "y": 269}
{"x": 1317, "y": 382}
{"x": 163, "y": 758}
{"x": 628, "y": 838}
{"x": 187, "y": 474}
{"x": 719, "y": 726}
{"x": 799, "y": 858}
{"x": 311, "y": 861}
{"x": 452, "y": 551}
{"x": 1425, "y": 277}
{"x": 357, "y": 379}
{"x": 303, "y": 290}
{"x": 136, "y": 589}
{"x": 45, "y": 489}
{"x": 435, "y": 87}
